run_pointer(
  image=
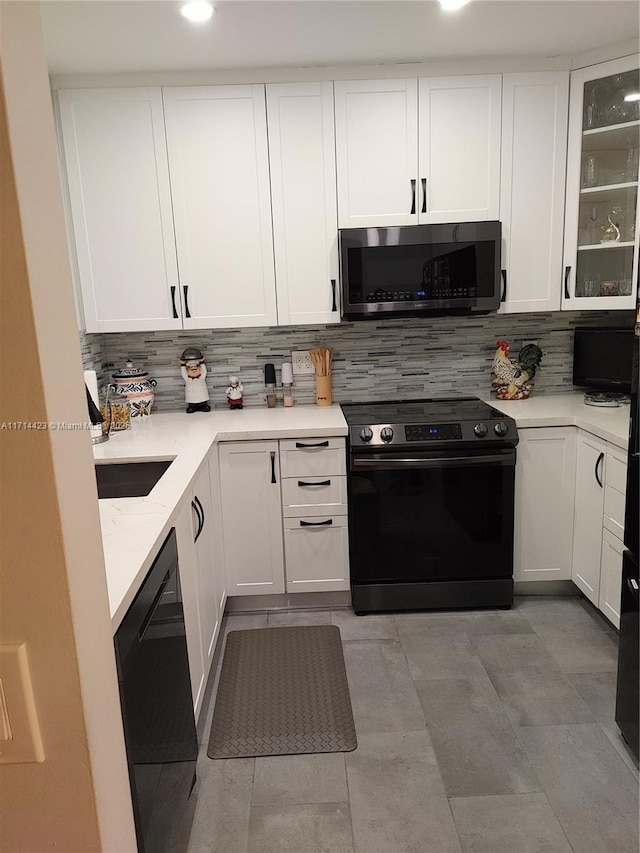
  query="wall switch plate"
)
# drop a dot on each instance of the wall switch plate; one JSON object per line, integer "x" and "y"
{"x": 301, "y": 361}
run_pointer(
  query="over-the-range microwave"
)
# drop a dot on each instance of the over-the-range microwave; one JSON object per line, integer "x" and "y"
{"x": 414, "y": 270}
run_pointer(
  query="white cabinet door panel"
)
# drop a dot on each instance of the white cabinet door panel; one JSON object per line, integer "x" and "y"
{"x": 317, "y": 553}
{"x": 116, "y": 163}
{"x": 252, "y": 517}
{"x": 459, "y": 152}
{"x": 304, "y": 204}
{"x": 218, "y": 160}
{"x": 545, "y": 482}
{"x": 534, "y": 146}
{"x": 188, "y": 568}
{"x": 207, "y": 591}
{"x": 611, "y": 577}
{"x": 376, "y": 152}
{"x": 587, "y": 529}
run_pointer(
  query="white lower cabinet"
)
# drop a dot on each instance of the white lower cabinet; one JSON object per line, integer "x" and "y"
{"x": 589, "y": 505}
{"x": 545, "y": 481}
{"x": 188, "y": 568}
{"x": 202, "y": 590}
{"x": 290, "y": 534}
{"x": 252, "y": 517}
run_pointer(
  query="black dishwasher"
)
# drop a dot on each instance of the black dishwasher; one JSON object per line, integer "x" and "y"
{"x": 157, "y": 708}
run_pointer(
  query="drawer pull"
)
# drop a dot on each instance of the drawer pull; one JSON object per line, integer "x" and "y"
{"x": 326, "y": 523}
{"x": 321, "y": 483}
{"x": 318, "y": 444}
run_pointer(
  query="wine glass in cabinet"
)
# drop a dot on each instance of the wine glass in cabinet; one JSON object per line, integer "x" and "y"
{"x": 601, "y": 217}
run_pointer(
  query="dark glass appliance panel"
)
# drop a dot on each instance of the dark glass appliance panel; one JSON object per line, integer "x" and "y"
{"x": 602, "y": 358}
{"x": 157, "y": 709}
{"x": 449, "y": 267}
{"x": 449, "y": 522}
{"x": 627, "y": 693}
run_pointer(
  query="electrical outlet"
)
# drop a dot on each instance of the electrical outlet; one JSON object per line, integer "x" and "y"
{"x": 301, "y": 361}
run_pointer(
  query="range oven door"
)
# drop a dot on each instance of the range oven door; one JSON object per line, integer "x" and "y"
{"x": 431, "y": 516}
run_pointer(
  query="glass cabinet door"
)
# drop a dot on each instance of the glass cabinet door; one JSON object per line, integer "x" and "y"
{"x": 602, "y": 189}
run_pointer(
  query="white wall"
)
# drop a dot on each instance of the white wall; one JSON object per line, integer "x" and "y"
{"x": 54, "y": 594}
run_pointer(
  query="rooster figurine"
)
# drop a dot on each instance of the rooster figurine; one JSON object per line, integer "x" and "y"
{"x": 513, "y": 378}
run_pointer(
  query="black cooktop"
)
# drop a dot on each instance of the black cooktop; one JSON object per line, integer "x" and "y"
{"x": 457, "y": 409}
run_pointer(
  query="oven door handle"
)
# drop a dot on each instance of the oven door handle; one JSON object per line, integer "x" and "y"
{"x": 388, "y": 463}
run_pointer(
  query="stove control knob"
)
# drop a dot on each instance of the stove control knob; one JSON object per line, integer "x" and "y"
{"x": 386, "y": 434}
{"x": 480, "y": 430}
{"x": 366, "y": 434}
{"x": 501, "y": 428}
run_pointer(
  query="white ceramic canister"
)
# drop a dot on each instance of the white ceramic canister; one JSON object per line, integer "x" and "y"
{"x": 134, "y": 385}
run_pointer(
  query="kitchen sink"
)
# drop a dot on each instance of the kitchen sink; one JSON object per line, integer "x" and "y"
{"x": 128, "y": 479}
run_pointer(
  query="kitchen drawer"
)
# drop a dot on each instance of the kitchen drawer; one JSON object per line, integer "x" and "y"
{"x": 316, "y": 555}
{"x": 314, "y": 495}
{"x": 614, "y": 511}
{"x": 312, "y": 457}
{"x": 616, "y": 470}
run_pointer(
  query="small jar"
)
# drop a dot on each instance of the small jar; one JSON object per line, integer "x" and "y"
{"x": 270, "y": 385}
{"x": 287, "y": 384}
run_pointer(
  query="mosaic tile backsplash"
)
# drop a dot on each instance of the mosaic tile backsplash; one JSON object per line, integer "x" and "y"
{"x": 389, "y": 359}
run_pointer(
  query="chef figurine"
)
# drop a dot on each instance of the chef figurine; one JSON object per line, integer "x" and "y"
{"x": 234, "y": 393}
{"x": 194, "y": 372}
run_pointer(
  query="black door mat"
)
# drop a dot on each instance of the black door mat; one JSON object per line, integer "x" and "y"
{"x": 282, "y": 691}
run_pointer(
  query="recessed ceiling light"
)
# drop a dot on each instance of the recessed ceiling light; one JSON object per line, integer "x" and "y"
{"x": 452, "y": 5}
{"x": 197, "y": 10}
{"x": 632, "y": 96}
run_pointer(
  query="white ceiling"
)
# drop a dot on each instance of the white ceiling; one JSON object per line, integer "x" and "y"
{"x": 110, "y": 36}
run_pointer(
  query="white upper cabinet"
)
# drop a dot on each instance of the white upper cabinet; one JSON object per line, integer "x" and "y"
{"x": 411, "y": 152}
{"x": 219, "y": 166}
{"x": 116, "y": 163}
{"x": 534, "y": 145}
{"x": 601, "y": 221}
{"x": 459, "y": 148}
{"x": 377, "y": 152}
{"x": 303, "y": 199}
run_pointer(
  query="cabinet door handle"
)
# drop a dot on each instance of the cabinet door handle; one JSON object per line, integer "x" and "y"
{"x": 413, "y": 195}
{"x": 173, "y": 302}
{"x": 197, "y": 500}
{"x": 424, "y": 194}
{"x": 595, "y": 470}
{"x": 567, "y": 272}
{"x": 321, "y": 483}
{"x": 503, "y": 298}
{"x": 185, "y": 290}
{"x": 196, "y": 508}
{"x": 334, "y": 306}
{"x": 326, "y": 523}
{"x": 272, "y": 454}
{"x": 319, "y": 444}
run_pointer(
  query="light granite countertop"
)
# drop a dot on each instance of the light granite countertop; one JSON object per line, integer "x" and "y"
{"x": 610, "y": 424}
{"x": 134, "y": 528}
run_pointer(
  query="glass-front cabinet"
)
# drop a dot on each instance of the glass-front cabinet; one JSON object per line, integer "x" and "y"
{"x": 601, "y": 220}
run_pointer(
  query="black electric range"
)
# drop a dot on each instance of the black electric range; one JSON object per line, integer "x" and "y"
{"x": 431, "y": 504}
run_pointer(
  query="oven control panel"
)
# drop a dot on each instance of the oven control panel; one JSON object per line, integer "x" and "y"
{"x": 433, "y": 432}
